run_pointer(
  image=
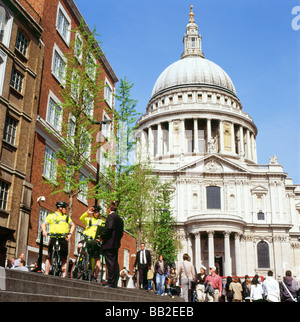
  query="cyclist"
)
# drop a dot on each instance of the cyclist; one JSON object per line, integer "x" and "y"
{"x": 91, "y": 227}
{"x": 59, "y": 223}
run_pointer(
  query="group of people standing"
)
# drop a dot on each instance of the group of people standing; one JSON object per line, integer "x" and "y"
{"x": 209, "y": 287}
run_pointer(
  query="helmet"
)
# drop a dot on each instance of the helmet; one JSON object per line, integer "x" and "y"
{"x": 61, "y": 204}
{"x": 97, "y": 208}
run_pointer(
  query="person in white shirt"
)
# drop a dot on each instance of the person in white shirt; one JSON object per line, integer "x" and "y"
{"x": 271, "y": 288}
{"x": 256, "y": 291}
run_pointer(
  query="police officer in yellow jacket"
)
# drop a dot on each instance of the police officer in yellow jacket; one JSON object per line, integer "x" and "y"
{"x": 59, "y": 223}
{"x": 92, "y": 225}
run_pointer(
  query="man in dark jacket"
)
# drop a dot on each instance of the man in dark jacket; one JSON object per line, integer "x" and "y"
{"x": 143, "y": 263}
{"x": 111, "y": 237}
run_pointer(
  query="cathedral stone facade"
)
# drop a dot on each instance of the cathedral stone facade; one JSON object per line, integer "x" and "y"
{"x": 231, "y": 212}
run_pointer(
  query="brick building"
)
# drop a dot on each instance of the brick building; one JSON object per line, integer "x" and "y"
{"x": 57, "y": 18}
{"x": 21, "y": 57}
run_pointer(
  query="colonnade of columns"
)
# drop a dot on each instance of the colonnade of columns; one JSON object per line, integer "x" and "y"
{"x": 195, "y": 248}
{"x": 198, "y": 136}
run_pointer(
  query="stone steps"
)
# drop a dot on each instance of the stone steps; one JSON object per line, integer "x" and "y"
{"x": 18, "y": 286}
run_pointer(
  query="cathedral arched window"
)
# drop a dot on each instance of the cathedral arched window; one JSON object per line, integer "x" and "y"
{"x": 263, "y": 255}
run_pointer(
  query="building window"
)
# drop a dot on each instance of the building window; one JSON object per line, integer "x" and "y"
{"x": 10, "y": 130}
{"x": 17, "y": 80}
{"x": 78, "y": 47}
{"x": 54, "y": 115}
{"x": 108, "y": 93}
{"x": 63, "y": 24}
{"x": 261, "y": 216}
{"x": 82, "y": 195}
{"x": 22, "y": 43}
{"x": 50, "y": 162}
{"x": 91, "y": 66}
{"x": 213, "y": 197}
{"x": 43, "y": 213}
{"x": 263, "y": 255}
{"x": 58, "y": 65}
{"x": 5, "y": 25}
{"x": 4, "y": 189}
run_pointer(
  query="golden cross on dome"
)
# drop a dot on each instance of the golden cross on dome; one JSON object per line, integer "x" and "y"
{"x": 192, "y": 14}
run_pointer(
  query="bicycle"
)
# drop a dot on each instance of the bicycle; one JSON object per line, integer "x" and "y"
{"x": 83, "y": 268}
{"x": 56, "y": 264}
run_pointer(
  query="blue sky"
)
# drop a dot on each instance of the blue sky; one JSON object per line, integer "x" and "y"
{"x": 252, "y": 40}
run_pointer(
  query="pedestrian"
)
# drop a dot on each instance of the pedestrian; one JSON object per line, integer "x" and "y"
{"x": 237, "y": 289}
{"x": 143, "y": 263}
{"x": 160, "y": 269}
{"x": 124, "y": 276}
{"x": 173, "y": 282}
{"x": 228, "y": 292}
{"x": 111, "y": 237}
{"x": 200, "y": 287}
{"x": 22, "y": 266}
{"x": 256, "y": 290}
{"x": 271, "y": 288}
{"x": 215, "y": 283}
{"x": 246, "y": 285}
{"x": 187, "y": 277}
{"x": 59, "y": 223}
{"x": 288, "y": 288}
{"x": 93, "y": 226}
{"x": 150, "y": 276}
{"x": 17, "y": 261}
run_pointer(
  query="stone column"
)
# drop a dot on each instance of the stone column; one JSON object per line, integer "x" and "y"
{"x": 211, "y": 249}
{"x": 151, "y": 143}
{"x": 227, "y": 253}
{"x": 159, "y": 139}
{"x": 198, "y": 251}
{"x": 196, "y": 139}
{"x": 221, "y": 130}
{"x": 182, "y": 136}
{"x": 242, "y": 152}
{"x": 237, "y": 254}
{"x": 248, "y": 145}
{"x": 232, "y": 138}
{"x": 170, "y": 137}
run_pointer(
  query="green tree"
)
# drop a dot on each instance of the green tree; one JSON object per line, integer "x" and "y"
{"x": 82, "y": 92}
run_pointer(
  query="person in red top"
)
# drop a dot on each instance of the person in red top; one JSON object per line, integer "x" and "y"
{"x": 215, "y": 281}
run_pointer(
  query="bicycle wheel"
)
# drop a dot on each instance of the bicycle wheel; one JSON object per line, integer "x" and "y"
{"x": 79, "y": 267}
{"x": 56, "y": 264}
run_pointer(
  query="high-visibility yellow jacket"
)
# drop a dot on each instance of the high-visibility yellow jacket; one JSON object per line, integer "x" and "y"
{"x": 91, "y": 224}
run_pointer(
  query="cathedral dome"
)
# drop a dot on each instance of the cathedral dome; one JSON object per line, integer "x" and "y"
{"x": 191, "y": 71}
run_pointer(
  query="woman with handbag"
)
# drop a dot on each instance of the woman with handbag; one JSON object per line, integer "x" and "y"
{"x": 187, "y": 278}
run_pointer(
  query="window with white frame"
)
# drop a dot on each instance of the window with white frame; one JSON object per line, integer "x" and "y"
{"x": 22, "y": 43}
{"x": 71, "y": 128}
{"x": 103, "y": 160}
{"x": 82, "y": 195}
{"x": 43, "y": 213}
{"x": 75, "y": 86}
{"x": 108, "y": 93}
{"x": 17, "y": 80}
{"x": 6, "y": 21}
{"x": 50, "y": 162}
{"x": 54, "y": 114}
{"x": 88, "y": 102}
{"x": 91, "y": 66}
{"x": 78, "y": 47}
{"x": 4, "y": 190}
{"x": 106, "y": 127}
{"x": 10, "y": 130}
{"x": 58, "y": 65}
{"x": 63, "y": 23}
{"x": 85, "y": 144}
